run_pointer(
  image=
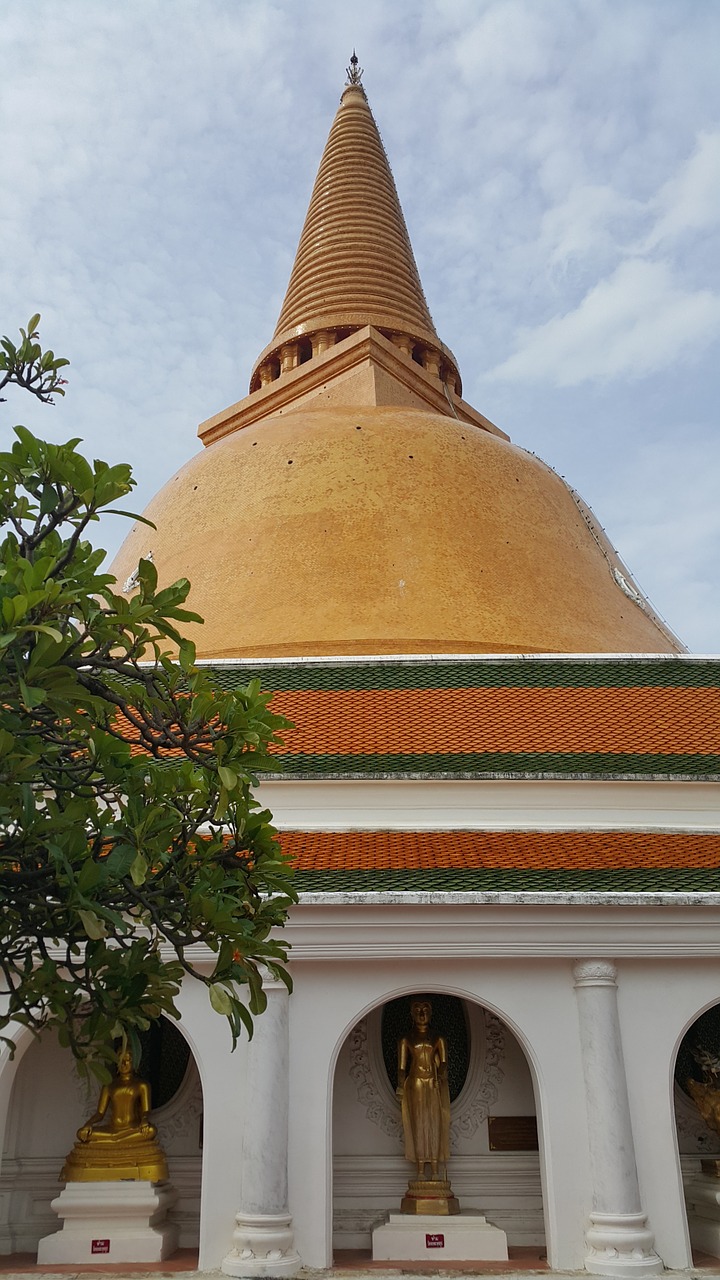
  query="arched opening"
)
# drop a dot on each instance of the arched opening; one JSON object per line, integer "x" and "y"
{"x": 48, "y": 1103}
{"x": 494, "y": 1162}
{"x": 697, "y": 1121}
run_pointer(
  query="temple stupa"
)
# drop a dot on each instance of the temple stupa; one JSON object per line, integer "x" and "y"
{"x": 353, "y": 502}
{"x": 500, "y": 799}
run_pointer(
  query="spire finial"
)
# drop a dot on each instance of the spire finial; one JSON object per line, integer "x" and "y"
{"x": 354, "y": 72}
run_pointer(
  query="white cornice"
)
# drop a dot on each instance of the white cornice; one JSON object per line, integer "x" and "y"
{"x": 394, "y": 927}
{"x": 492, "y": 804}
{"x": 451, "y": 659}
{"x": 365, "y": 927}
{"x": 506, "y": 898}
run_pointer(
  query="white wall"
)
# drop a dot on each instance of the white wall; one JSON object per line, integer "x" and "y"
{"x": 516, "y": 961}
{"x": 513, "y": 953}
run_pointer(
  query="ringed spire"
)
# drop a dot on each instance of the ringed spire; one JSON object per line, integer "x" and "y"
{"x": 354, "y": 264}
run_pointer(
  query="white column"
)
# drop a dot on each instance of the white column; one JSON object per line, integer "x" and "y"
{"x": 263, "y": 1238}
{"x": 619, "y": 1241}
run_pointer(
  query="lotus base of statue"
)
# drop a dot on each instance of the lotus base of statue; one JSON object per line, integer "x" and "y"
{"x": 136, "y": 1161}
{"x": 430, "y": 1195}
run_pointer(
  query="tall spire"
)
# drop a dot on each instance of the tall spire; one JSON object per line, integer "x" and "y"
{"x": 354, "y": 265}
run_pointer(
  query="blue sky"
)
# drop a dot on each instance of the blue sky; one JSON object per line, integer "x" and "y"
{"x": 558, "y": 162}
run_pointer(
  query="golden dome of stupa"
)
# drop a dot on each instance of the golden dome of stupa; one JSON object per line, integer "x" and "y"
{"x": 353, "y": 502}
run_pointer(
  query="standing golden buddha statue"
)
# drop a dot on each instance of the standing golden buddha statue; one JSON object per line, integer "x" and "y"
{"x": 126, "y": 1149}
{"x": 425, "y": 1099}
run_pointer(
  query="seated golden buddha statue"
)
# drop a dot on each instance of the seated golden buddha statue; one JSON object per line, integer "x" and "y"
{"x": 126, "y": 1148}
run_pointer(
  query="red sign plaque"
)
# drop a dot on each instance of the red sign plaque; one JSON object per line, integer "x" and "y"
{"x": 100, "y": 1246}
{"x": 435, "y": 1240}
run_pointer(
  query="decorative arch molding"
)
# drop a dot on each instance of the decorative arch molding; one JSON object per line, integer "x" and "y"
{"x": 476, "y": 1098}
{"x": 183, "y": 1110}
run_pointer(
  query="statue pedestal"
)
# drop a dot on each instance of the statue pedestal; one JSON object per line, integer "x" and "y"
{"x": 702, "y": 1197}
{"x": 112, "y": 1222}
{"x": 433, "y": 1196}
{"x": 426, "y": 1237}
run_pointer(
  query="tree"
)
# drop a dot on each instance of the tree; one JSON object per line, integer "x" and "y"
{"x": 128, "y": 828}
{"x": 28, "y": 366}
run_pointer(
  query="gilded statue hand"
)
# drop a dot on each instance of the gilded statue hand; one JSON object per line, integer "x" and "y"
{"x": 85, "y": 1134}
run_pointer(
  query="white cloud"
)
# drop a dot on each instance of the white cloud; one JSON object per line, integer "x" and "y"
{"x": 690, "y": 200}
{"x": 510, "y": 38}
{"x": 586, "y": 224}
{"x": 635, "y": 322}
{"x": 663, "y": 512}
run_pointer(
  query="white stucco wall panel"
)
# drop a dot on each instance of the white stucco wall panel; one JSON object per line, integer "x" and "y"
{"x": 657, "y": 1004}
{"x": 225, "y": 1101}
{"x": 48, "y": 1103}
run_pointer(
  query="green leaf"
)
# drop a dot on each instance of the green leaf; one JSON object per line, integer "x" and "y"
{"x": 32, "y": 696}
{"x": 52, "y": 632}
{"x": 93, "y": 927}
{"x": 90, "y": 876}
{"x": 245, "y": 1018}
{"x": 222, "y": 805}
{"x": 147, "y": 573}
{"x": 138, "y": 869}
{"x": 220, "y": 1000}
{"x": 131, "y": 515}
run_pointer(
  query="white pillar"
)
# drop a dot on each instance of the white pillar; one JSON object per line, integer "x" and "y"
{"x": 263, "y": 1238}
{"x": 620, "y": 1243}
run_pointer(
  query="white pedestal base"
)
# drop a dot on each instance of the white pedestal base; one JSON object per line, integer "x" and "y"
{"x": 263, "y": 1246}
{"x": 703, "y": 1205}
{"x": 621, "y": 1245}
{"x": 425, "y": 1237}
{"x": 112, "y": 1222}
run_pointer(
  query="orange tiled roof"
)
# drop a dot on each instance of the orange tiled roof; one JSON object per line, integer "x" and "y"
{"x": 507, "y": 720}
{"x": 607, "y": 716}
{"x": 504, "y": 850}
